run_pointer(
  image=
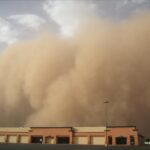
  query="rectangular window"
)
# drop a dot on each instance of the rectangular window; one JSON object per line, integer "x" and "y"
{"x": 63, "y": 140}
{"x": 37, "y": 139}
{"x": 110, "y": 140}
{"x": 132, "y": 140}
{"x": 121, "y": 140}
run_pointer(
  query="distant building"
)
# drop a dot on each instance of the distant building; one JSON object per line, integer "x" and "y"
{"x": 116, "y": 135}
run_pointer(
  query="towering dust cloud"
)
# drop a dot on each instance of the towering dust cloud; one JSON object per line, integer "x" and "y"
{"x": 50, "y": 81}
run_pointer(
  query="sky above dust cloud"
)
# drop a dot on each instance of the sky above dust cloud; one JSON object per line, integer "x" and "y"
{"x": 60, "y": 60}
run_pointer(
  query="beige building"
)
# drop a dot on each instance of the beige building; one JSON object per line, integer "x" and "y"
{"x": 121, "y": 135}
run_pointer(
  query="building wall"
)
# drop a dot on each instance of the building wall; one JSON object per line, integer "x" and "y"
{"x": 71, "y": 135}
{"x": 89, "y": 135}
{"x": 53, "y": 133}
{"x": 126, "y": 132}
{"x": 36, "y": 131}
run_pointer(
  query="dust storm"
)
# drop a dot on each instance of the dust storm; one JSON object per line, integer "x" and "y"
{"x": 55, "y": 81}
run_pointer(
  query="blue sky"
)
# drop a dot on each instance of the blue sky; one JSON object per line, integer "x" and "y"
{"x": 23, "y": 19}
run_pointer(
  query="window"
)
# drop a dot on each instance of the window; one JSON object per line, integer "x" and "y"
{"x": 132, "y": 140}
{"x": 37, "y": 139}
{"x": 121, "y": 140}
{"x": 110, "y": 140}
{"x": 62, "y": 140}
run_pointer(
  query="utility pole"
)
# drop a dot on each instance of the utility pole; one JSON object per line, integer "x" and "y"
{"x": 106, "y": 123}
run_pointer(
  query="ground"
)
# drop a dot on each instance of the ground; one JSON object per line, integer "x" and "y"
{"x": 66, "y": 147}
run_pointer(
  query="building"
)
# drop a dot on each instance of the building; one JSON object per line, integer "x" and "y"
{"x": 114, "y": 135}
{"x": 124, "y": 135}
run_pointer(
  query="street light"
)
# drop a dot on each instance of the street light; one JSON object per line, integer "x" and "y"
{"x": 106, "y": 122}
